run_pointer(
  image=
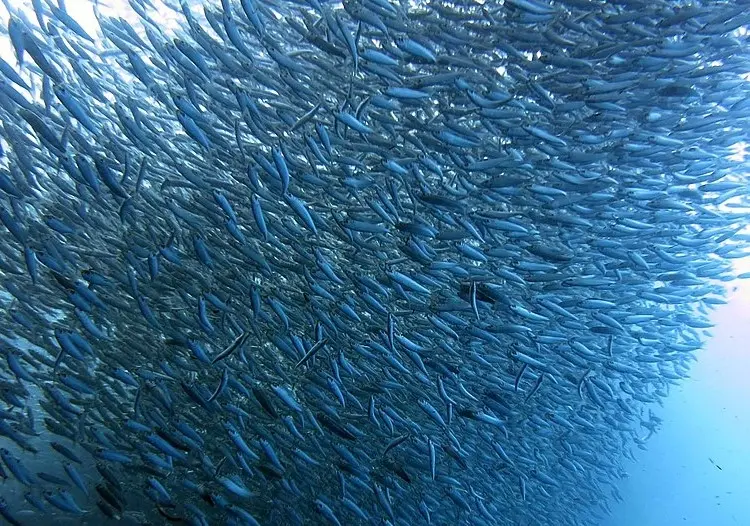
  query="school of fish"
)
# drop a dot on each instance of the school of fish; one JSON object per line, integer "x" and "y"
{"x": 382, "y": 263}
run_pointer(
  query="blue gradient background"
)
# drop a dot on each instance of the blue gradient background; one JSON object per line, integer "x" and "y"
{"x": 708, "y": 416}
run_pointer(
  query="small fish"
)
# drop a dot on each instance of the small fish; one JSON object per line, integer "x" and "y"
{"x": 236, "y": 344}
{"x": 473, "y": 244}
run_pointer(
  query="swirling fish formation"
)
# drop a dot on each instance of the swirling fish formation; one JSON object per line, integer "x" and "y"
{"x": 383, "y": 262}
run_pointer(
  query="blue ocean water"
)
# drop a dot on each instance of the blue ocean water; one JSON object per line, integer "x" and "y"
{"x": 696, "y": 469}
{"x": 374, "y": 262}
